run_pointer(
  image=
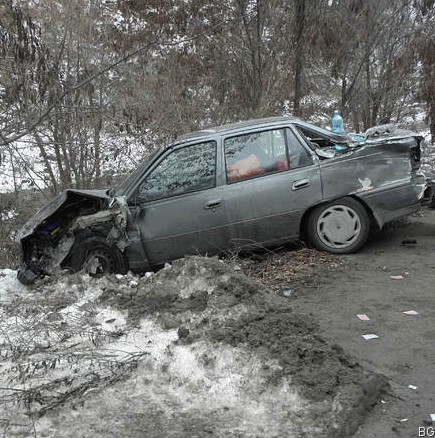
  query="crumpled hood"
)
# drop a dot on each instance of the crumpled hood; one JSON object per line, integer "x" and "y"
{"x": 66, "y": 197}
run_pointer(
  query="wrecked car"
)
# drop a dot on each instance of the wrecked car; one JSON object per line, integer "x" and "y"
{"x": 233, "y": 187}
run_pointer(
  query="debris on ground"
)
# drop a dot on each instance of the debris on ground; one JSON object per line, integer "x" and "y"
{"x": 397, "y": 277}
{"x": 409, "y": 242}
{"x": 363, "y": 317}
{"x": 410, "y": 312}
{"x": 370, "y": 336}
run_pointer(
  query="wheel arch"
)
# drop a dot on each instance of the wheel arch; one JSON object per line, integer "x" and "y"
{"x": 303, "y": 232}
{"x": 85, "y": 241}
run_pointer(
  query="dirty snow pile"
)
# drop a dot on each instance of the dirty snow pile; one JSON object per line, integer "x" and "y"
{"x": 195, "y": 349}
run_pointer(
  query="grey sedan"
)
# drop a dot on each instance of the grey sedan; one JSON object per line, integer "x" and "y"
{"x": 239, "y": 186}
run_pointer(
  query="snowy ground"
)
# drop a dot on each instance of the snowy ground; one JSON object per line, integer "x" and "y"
{"x": 52, "y": 353}
{"x": 164, "y": 355}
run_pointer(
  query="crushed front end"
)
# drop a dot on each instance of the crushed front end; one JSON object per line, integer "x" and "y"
{"x": 47, "y": 238}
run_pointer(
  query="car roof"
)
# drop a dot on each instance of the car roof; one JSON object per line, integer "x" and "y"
{"x": 228, "y": 128}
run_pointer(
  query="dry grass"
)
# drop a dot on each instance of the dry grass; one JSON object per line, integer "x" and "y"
{"x": 285, "y": 268}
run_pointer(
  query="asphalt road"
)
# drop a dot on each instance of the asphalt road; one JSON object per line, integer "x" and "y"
{"x": 393, "y": 274}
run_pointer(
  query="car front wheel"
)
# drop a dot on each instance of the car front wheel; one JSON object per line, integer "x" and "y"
{"x": 339, "y": 227}
{"x": 95, "y": 257}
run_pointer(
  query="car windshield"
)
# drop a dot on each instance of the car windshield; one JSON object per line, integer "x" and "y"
{"x": 123, "y": 188}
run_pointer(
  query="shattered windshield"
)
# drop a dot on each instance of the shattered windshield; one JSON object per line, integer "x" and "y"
{"x": 184, "y": 170}
{"x": 134, "y": 176}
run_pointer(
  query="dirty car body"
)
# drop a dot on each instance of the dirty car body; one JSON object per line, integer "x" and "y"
{"x": 239, "y": 186}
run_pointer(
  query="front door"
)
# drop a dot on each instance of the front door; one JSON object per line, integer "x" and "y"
{"x": 180, "y": 209}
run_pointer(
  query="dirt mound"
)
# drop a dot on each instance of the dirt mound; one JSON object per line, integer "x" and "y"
{"x": 195, "y": 349}
{"x": 190, "y": 285}
{"x": 205, "y": 298}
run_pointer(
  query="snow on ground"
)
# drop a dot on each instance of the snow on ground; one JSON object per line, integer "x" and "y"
{"x": 60, "y": 343}
{"x": 9, "y": 286}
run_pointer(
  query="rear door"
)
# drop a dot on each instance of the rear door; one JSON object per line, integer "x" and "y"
{"x": 178, "y": 208}
{"x": 272, "y": 179}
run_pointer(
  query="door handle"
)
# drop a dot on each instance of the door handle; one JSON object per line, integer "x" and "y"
{"x": 300, "y": 184}
{"x": 214, "y": 203}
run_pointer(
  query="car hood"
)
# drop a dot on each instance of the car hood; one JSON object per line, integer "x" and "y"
{"x": 57, "y": 203}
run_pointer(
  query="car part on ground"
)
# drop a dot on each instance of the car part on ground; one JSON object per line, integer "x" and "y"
{"x": 195, "y": 197}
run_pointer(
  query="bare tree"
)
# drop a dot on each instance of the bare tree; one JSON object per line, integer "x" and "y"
{"x": 74, "y": 73}
{"x": 425, "y": 44}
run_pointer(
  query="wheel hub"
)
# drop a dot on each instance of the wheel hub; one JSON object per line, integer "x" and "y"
{"x": 338, "y": 226}
{"x": 98, "y": 263}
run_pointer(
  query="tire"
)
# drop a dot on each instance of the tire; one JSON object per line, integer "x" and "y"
{"x": 339, "y": 227}
{"x": 95, "y": 257}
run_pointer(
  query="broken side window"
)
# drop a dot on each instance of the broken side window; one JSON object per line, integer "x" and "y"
{"x": 316, "y": 138}
{"x": 255, "y": 154}
{"x": 323, "y": 142}
{"x": 186, "y": 169}
{"x": 298, "y": 155}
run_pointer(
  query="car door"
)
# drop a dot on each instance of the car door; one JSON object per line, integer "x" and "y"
{"x": 178, "y": 208}
{"x": 265, "y": 197}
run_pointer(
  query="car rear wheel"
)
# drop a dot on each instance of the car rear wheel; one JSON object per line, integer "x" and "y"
{"x": 339, "y": 227}
{"x": 95, "y": 257}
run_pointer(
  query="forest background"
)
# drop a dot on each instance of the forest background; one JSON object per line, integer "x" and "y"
{"x": 87, "y": 84}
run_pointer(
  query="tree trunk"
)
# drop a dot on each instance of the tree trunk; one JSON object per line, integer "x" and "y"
{"x": 299, "y": 47}
{"x": 431, "y": 111}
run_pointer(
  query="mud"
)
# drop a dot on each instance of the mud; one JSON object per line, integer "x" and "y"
{"x": 206, "y": 299}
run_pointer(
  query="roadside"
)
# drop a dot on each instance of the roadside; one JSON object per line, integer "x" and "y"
{"x": 393, "y": 274}
{"x": 199, "y": 350}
